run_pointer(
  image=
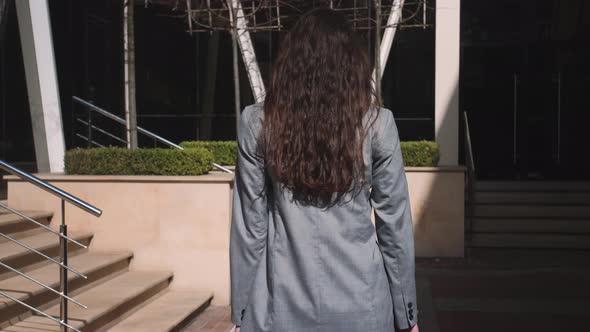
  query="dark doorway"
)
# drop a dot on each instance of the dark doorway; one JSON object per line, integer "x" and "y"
{"x": 522, "y": 86}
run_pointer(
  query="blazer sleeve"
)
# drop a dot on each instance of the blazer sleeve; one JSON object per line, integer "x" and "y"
{"x": 249, "y": 223}
{"x": 393, "y": 219}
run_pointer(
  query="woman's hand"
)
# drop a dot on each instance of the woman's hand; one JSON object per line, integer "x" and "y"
{"x": 411, "y": 329}
{"x": 237, "y": 329}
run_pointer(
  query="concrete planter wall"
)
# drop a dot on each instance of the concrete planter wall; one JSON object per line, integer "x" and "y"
{"x": 179, "y": 224}
{"x": 182, "y": 224}
{"x": 438, "y": 203}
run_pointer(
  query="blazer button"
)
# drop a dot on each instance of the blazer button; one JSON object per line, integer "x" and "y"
{"x": 410, "y": 304}
{"x": 411, "y": 311}
{"x": 411, "y": 317}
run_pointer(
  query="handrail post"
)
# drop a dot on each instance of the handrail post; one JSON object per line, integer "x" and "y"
{"x": 470, "y": 177}
{"x": 63, "y": 276}
{"x": 89, "y": 135}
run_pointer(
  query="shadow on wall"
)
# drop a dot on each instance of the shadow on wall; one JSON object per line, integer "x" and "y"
{"x": 438, "y": 201}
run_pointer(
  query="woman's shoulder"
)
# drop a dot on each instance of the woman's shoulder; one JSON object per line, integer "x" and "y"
{"x": 379, "y": 120}
{"x": 253, "y": 110}
{"x": 379, "y": 116}
{"x": 252, "y": 115}
{"x": 383, "y": 128}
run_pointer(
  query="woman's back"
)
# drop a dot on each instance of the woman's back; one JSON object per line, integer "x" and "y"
{"x": 302, "y": 267}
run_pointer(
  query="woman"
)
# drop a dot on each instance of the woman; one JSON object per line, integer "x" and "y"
{"x": 313, "y": 161}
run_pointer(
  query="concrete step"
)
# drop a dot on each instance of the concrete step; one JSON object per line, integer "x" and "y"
{"x": 106, "y": 302}
{"x": 213, "y": 318}
{"x": 520, "y": 258}
{"x": 529, "y": 240}
{"x": 19, "y": 227}
{"x": 567, "y": 186}
{"x": 170, "y": 312}
{"x": 531, "y": 211}
{"x": 18, "y": 256}
{"x": 95, "y": 265}
{"x": 553, "y": 198}
{"x": 530, "y": 225}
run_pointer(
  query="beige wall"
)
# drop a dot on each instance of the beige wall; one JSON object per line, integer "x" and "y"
{"x": 437, "y": 199}
{"x": 182, "y": 224}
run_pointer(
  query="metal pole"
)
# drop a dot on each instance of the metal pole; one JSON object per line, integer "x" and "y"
{"x": 89, "y": 128}
{"x": 129, "y": 73}
{"x": 198, "y": 84}
{"x": 236, "y": 65}
{"x": 514, "y": 119}
{"x": 424, "y": 14}
{"x": 377, "y": 53}
{"x": 559, "y": 117}
{"x": 63, "y": 276}
{"x": 369, "y": 28}
{"x": 354, "y": 14}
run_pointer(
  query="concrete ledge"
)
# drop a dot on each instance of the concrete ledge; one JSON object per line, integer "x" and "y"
{"x": 213, "y": 177}
{"x": 182, "y": 223}
{"x": 438, "y": 169}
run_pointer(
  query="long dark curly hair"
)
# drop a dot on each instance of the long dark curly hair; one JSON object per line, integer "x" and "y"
{"x": 320, "y": 90}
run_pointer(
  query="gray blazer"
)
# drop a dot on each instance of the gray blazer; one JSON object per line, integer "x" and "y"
{"x": 305, "y": 268}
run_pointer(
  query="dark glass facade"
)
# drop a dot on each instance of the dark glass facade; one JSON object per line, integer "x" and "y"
{"x": 524, "y": 80}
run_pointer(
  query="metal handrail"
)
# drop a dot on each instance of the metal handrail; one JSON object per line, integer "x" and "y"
{"x": 24, "y": 245}
{"x": 51, "y": 189}
{"x": 471, "y": 176}
{"x": 469, "y": 150}
{"x": 124, "y": 122}
{"x": 60, "y": 322}
{"x": 63, "y": 238}
{"x": 42, "y": 284}
{"x": 225, "y": 169}
{"x": 100, "y": 131}
{"x": 41, "y": 225}
{"x": 91, "y": 142}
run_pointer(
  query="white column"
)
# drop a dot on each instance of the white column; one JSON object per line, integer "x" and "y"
{"x": 395, "y": 16}
{"x": 41, "y": 76}
{"x": 248, "y": 54}
{"x": 446, "y": 100}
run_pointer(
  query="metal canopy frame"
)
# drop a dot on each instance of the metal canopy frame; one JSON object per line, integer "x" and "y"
{"x": 278, "y": 15}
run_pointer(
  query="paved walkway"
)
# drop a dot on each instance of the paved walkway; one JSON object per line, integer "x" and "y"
{"x": 213, "y": 319}
{"x": 461, "y": 296}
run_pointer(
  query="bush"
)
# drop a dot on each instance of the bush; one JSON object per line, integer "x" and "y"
{"x": 122, "y": 161}
{"x": 415, "y": 153}
{"x": 224, "y": 152}
{"x": 420, "y": 153}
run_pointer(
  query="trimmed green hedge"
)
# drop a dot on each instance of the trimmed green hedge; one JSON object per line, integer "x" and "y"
{"x": 420, "y": 153}
{"x": 415, "y": 153}
{"x": 122, "y": 161}
{"x": 224, "y": 152}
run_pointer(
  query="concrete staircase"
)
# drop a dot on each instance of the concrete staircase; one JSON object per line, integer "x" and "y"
{"x": 118, "y": 299}
{"x": 533, "y": 218}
